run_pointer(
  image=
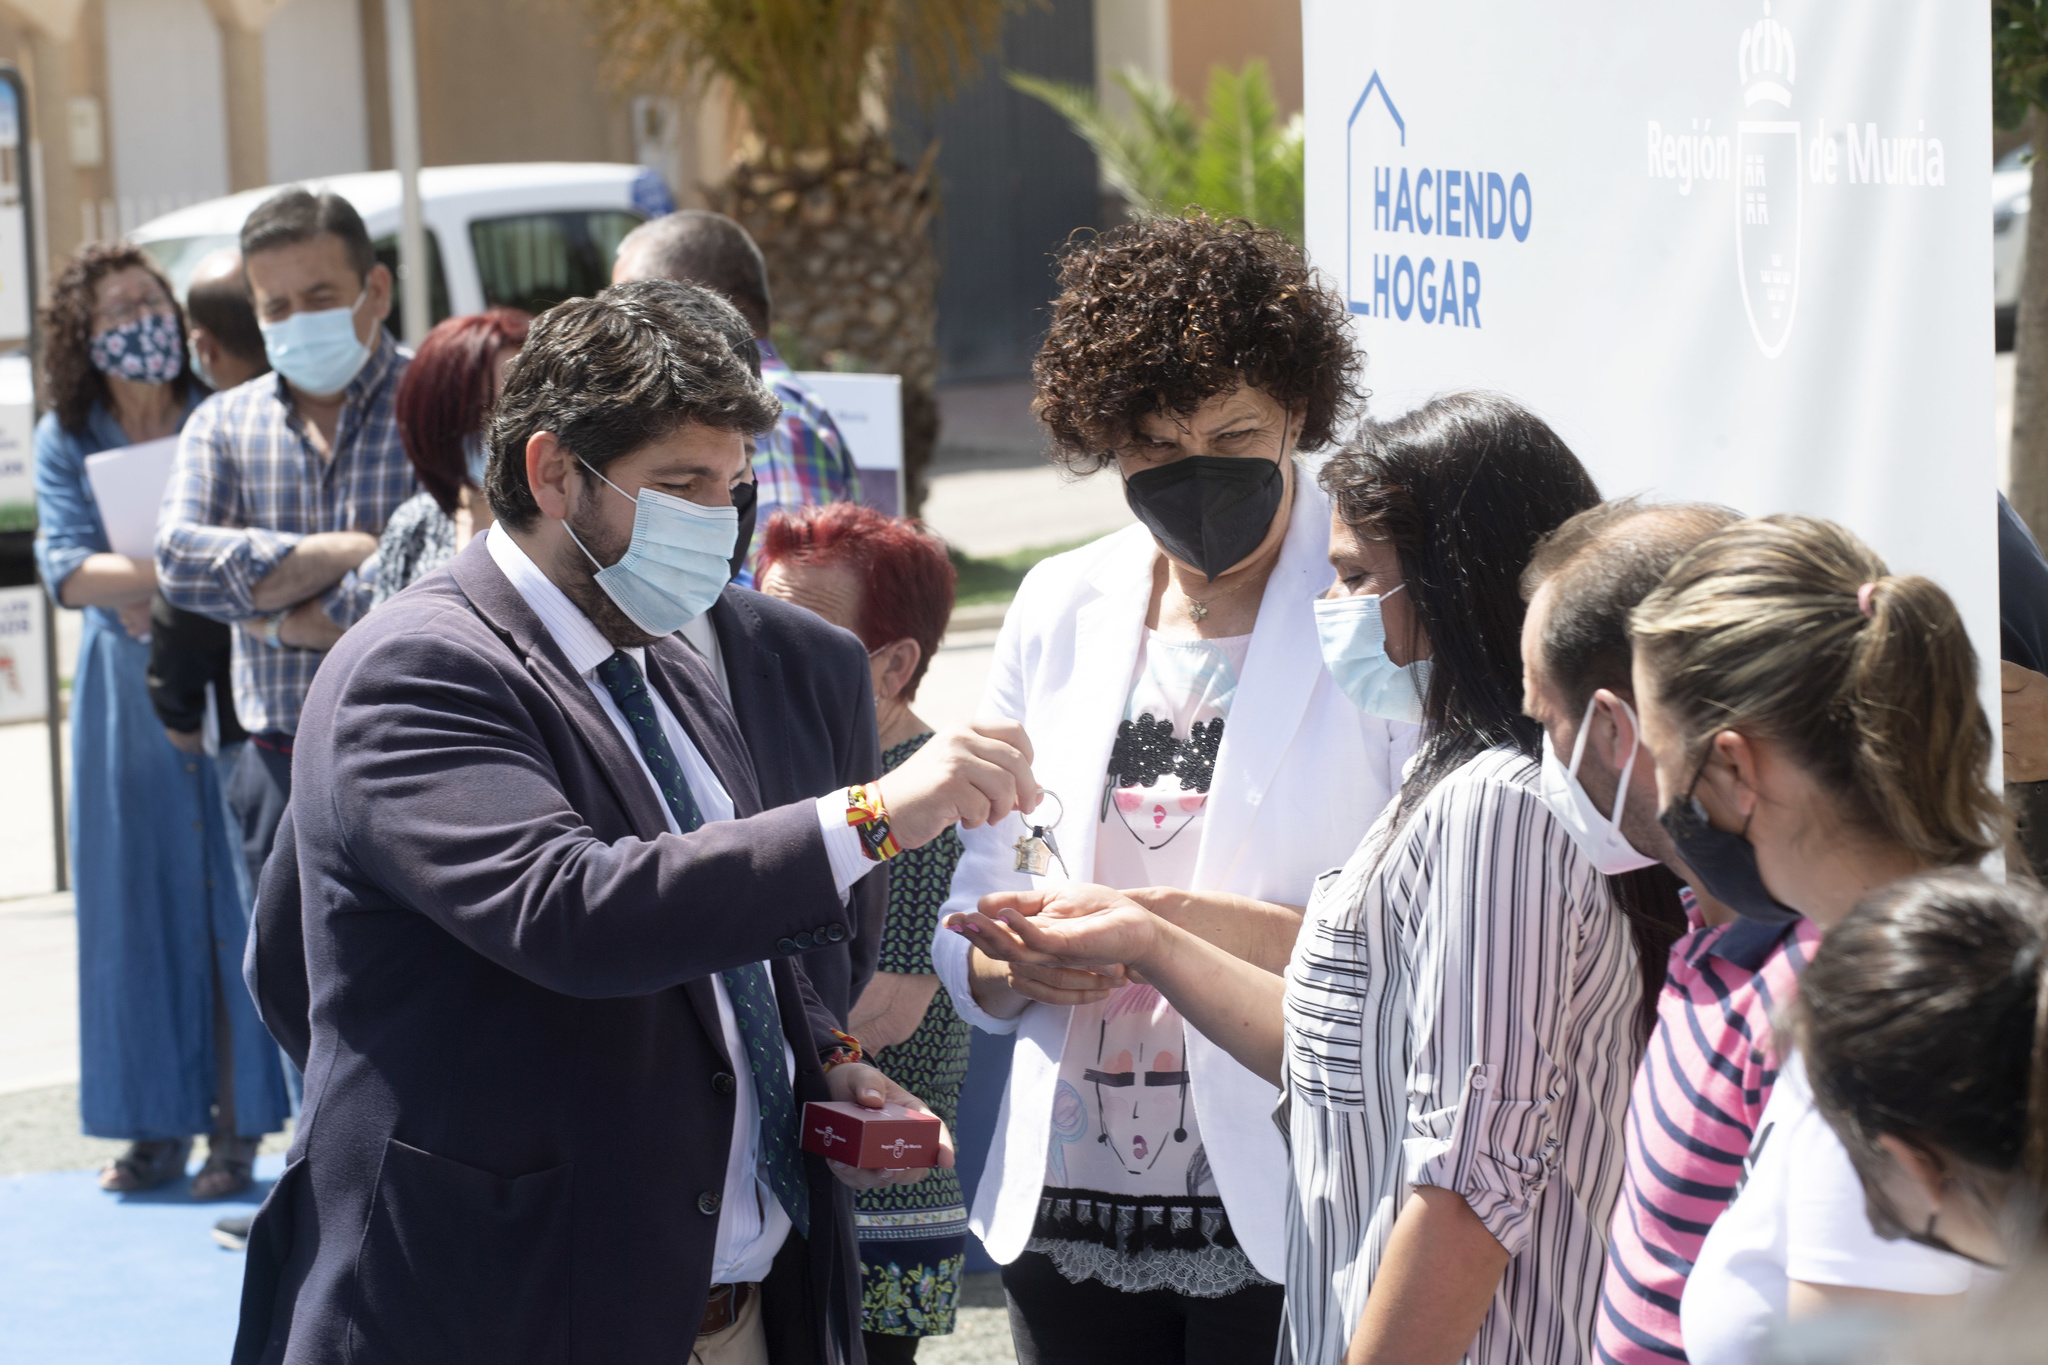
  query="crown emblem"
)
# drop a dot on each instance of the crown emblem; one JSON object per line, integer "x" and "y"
{"x": 1766, "y": 62}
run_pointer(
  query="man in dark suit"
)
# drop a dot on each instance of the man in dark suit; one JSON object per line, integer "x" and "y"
{"x": 558, "y": 1034}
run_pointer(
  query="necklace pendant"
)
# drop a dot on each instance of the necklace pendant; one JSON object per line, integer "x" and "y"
{"x": 1197, "y": 610}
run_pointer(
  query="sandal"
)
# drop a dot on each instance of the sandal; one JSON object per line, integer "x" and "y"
{"x": 230, "y": 1168}
{"x": 146, "y": 1164}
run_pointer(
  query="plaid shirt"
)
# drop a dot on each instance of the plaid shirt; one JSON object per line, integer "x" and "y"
{"x": 804, "y": 461}
{"x": 248, "y": 487}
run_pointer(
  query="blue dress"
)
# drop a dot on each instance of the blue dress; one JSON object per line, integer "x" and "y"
{"x": 160, "y": 894}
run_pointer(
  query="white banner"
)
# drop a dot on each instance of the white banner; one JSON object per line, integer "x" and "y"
{"x": 868, "y": 410}
{"x": 1738, "y": 252}
{"x": 17, "y": 442}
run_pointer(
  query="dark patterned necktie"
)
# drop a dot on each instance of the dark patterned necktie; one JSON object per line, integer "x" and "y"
{"x": 753, "y": 1002}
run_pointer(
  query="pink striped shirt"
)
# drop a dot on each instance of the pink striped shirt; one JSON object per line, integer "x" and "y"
{"x": 1705, "y": 1078}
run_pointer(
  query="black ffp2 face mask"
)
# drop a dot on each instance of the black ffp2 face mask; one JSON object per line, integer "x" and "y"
{"x": 1723, "y": 863}
{"x": 746, "y": 498}
{"x": 1210, "y": 511}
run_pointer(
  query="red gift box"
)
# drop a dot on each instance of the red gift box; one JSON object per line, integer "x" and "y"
{"x": 891, "y": 1138}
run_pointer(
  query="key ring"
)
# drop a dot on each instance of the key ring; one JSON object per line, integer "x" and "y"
{"x": 1042, "y": 829}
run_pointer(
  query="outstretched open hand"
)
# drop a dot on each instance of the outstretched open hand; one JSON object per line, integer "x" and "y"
{"x": 1069, "y": 926}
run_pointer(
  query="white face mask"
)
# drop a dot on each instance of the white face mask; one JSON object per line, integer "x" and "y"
{"x": 1598, "y": 836}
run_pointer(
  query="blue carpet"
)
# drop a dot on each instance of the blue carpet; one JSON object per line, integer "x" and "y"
{"x": 89, "y": 1278}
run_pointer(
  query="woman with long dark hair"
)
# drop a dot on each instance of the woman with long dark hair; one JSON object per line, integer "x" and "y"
{"x": 169, "y": 1043}
{"x": 1457, "y": 1027}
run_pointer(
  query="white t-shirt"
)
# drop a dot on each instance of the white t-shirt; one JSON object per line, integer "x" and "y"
{"x": 1122, "y": 1123}
{"x": 1125, "y": 1168}
{"x": 1799, "y": 1215}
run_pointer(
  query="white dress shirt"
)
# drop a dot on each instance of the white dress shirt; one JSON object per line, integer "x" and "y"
{"x": 699, "y": 634}
{"x": 752, "y": 1224}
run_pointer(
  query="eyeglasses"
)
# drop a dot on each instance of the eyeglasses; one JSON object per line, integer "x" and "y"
{"x": 119, "y": 312}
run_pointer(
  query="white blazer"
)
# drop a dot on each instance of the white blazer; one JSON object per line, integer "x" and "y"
{"x": 1302, "y": 774}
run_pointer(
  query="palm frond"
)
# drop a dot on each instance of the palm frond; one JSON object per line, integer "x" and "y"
{"x": 1126, "y": 157}
{"x": 799, "y": 68}
{"x": 1236, "y": 161}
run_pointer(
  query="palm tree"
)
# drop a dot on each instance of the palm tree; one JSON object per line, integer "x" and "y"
{"x": 843, "y": 222}
{"x": 1237, "y": 160}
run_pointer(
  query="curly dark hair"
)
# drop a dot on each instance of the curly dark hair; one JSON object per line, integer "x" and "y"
{"x": 70, "y": 382}
{"x": 1160, "y": 315}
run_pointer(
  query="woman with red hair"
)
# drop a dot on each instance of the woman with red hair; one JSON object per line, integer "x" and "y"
{"x": 889, "y": 582}
{"x": 443, "y": 403}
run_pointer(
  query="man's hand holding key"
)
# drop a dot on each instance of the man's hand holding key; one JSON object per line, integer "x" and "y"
{"x": 974, "y": 774}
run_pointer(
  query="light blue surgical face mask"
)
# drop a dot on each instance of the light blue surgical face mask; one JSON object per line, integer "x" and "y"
{"x": 318, "y": 352}
{"x": 1354, "y": 641}
{"x": 476, "y": 458}
{"x": 679, "y": 561}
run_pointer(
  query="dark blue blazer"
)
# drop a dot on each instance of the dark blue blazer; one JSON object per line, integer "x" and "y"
{"x": 805, "y": 701}
{"x": 518, "y": 1103}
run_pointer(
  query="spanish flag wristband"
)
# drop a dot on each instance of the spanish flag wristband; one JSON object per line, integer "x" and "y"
{"x": 848, "y": 1050}
{"x": 870, "y": 819}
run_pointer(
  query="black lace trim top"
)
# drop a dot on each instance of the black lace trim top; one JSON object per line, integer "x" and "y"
{"x": 1128, "y": 1223}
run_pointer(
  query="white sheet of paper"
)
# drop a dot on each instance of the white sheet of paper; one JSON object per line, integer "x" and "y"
{"x": 128, "y": 484}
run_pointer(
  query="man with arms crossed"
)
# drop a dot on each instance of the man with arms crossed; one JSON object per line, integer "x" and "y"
{"x": 281, "y": 487}
{"x": 1710, "y": 1064}
{"x": 559, "y": 1040}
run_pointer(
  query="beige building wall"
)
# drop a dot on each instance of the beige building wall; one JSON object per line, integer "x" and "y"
{"x": 500, "y": 80}
{"x": 1179, "y": 41}
{"x": 513, "y": 80}
{"x": 1207, "y": 33}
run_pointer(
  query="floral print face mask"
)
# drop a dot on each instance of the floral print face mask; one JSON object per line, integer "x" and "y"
{"x": 146, "y": 350}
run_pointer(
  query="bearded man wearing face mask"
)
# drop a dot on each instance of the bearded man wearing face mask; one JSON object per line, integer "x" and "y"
{"x": 1709, "y": 1068}
{"x": 549, "y": 930}
{"x": 282, "y": 486}
{"x": 799, "y": 687}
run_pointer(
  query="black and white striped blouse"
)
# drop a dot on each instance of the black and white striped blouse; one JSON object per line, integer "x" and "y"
{"x": 1461, "y": 1015}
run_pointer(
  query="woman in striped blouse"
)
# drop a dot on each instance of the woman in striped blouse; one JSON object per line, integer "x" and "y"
{"x": 1457, "y": 1028}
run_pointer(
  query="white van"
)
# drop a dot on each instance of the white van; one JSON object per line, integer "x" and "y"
{"x": 524, "y": 235}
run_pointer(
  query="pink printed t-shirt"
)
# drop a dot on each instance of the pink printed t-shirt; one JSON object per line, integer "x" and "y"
{"x": 1703, "y": 1084}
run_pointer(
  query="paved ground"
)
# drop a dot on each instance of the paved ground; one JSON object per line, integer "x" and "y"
{"x": 992, "y": 489}
{"x": 982, "y": 1334}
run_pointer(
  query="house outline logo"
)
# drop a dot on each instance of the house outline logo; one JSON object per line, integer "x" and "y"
{"x": 1351, "y": 301}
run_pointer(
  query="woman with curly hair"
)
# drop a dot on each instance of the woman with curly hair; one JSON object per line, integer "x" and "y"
{"x": 169, "y": 1042}
{"x": 1457, "y": 1025}
{"x": 1170, "y": 678}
